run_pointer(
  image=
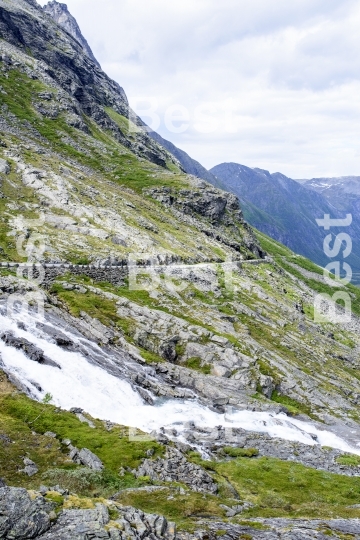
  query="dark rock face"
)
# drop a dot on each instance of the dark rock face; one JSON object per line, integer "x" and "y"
{"x": 61, "y": 15}
{"x": 220, "y": 209}
{"x": 26, "y": 26}
{"x": 206, "y": 202}
{"x": 31, "y": 351}
{"x": 20, "y": 517}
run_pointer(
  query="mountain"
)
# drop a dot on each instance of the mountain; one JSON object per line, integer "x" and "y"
{"x": 61, "y": 15}
{"x": 286, "y": 210}
{"x": 166, "y": 372}
{"x": 87, "y": 90}
{"x": 189, "y": 165}
{"x": 343, "y": 192}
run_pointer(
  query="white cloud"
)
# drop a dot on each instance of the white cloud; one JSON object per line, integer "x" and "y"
{"x": 289, "y": 70}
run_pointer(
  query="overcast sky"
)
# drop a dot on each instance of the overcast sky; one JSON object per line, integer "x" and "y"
{"x": 267, "y": 83}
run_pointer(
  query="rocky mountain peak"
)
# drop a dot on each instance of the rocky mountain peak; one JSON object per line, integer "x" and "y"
{"x": 62, "y": 16}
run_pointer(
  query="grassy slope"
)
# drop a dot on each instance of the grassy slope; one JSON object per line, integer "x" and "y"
{"x": 282, "y": 255}
{"x": 94, "y": 163}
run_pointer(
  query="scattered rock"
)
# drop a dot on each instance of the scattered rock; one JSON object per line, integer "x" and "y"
{"x": 50, "y": 434}
{"x": 235, "y": 510}
{"x": 118, "y": 241}
{"x": 85, "y": 457}
{"x": 85, "y": 420}
{"x": 5, "y": 439}
{"x": 30, "y": 467}
{"x": 175, "y": 468}
{"x": 4, "y": 167}
{"x": 76, "y": 410}
{"x": 220, "y": 371}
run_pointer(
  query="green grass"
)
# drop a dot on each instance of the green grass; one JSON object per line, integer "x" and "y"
{"x": 294, "y": 407}
{"x": 349, "y": 460}
{"x": 268, "y": 371}
{"x": 276, "y": 488}
{"x": 150, "y": 357}
{"x": 20, "y": 417}
{"x": 124, "y": 123}
{"x": 89, "y": 483}
{"x": 282, "y": 255}
{"x": 94, "y": 305}
{"x": 196, "y": 364}
{"x": 241, "y": 452}
{"x": 280, "y": 488}
{"x": 118, "y": 165}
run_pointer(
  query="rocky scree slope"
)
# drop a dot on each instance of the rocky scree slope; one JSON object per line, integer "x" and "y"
{"x": 224, "y": 325}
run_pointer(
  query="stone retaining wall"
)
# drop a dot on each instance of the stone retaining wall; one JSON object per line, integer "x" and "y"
{"x": 114, "y": 274}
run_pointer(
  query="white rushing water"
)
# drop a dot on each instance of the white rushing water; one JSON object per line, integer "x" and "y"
{"x": 81, "y": 384}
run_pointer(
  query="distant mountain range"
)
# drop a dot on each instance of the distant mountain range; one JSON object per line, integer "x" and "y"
{"x": 343, "y": 192}
{"x": 286, "y": 209}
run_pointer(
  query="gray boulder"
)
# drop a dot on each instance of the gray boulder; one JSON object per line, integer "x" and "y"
{"x": 85, "y": 457}
{"x": 4, "y": 167}
{"x": 90, "y": 460}
{"x": 175, "y": 468}
{"x": 30, "y": 467}
{"x": 20, "y": 517}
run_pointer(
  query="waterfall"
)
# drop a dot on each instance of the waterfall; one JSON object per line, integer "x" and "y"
{"x": 80, "y": 381}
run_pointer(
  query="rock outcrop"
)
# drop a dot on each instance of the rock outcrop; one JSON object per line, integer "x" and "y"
{"x": 174, "y": 467}
{"x": 61, "y": 15}
{"x": 86, "y": 457}
{"x": 29, "y": 349}
{"x": 22, "y": 517}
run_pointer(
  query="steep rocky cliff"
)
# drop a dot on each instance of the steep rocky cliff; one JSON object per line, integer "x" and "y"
{"x": 61, "y": 15}
{"x": 66, "y": 61}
